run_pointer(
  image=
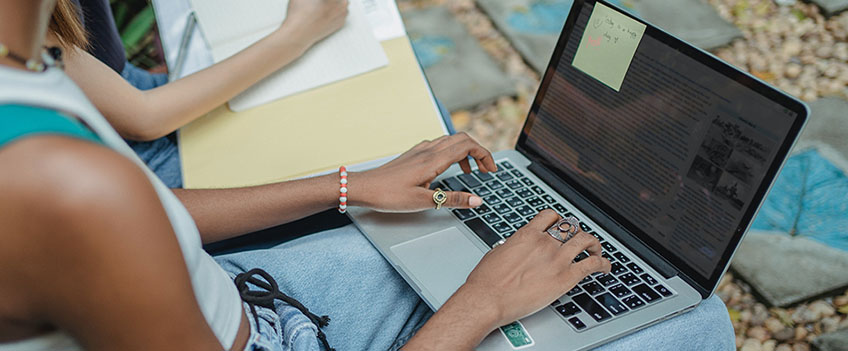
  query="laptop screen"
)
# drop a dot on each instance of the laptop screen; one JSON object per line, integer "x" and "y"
{"x": 673, "y": 144}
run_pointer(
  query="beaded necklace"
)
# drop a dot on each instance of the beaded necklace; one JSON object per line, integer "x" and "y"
{"x": 53, "y": 55}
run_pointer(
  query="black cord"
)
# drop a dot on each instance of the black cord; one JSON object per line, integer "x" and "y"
{"x": 272, "y": 292}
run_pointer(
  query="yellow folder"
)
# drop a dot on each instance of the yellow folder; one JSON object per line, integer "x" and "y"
{"x": 364, "y": 118}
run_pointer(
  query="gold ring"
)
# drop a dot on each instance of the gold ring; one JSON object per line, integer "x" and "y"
{"x": 439, "y": 197}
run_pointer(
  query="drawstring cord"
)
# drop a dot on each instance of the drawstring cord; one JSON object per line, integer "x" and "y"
{"x": 272, "y": 292}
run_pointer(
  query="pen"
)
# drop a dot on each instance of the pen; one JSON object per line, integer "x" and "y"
{"x": 191, "y": 21}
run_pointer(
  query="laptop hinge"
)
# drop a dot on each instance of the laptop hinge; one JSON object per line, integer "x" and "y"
{"x": 612, "y": 227}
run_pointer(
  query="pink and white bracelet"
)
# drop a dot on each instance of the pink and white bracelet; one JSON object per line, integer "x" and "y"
{"x": 342, "y": 189}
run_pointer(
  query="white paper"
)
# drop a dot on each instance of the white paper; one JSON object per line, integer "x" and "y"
{"x": 232, "y": 25}
{"x": 384, "y": 18}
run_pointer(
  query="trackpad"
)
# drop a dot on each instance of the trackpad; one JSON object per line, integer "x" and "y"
{"x": 439, "y": 262}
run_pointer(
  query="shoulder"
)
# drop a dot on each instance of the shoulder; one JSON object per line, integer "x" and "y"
{"x": 56, "y": 175}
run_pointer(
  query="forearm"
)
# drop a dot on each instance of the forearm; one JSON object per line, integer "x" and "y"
{"x": 174, "y": 105}
{"x": 150, "y": 114}
{"x": 225, "y": 213}
{"x": 460, "y": 324}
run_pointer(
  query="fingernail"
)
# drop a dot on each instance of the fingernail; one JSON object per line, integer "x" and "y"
{"x": 475, "y": 201}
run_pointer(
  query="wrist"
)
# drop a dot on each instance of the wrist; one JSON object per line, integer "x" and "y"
{"x": 357, "y": 190}
{"x": 292, "y": 37}
{"x": 478, "y": 308}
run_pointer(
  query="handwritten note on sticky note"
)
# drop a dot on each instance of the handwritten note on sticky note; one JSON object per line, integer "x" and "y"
{"x": 608, "y": 45}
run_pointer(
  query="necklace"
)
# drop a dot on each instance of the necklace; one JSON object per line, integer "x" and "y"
{"x": 31, "y": 64}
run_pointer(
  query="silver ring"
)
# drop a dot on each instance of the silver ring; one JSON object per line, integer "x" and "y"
{"x": 569, "y": 226}
{"x": 499, "y": 243}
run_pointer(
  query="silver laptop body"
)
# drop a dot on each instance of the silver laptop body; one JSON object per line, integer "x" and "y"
{"x": 669, "y": 188}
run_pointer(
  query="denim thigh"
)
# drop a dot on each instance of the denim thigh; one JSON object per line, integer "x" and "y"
{"x": 162, "y": 155}
{"x": 340, "y": 274}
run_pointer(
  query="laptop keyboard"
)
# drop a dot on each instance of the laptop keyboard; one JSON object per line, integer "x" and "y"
{"x": 510, "y": 200}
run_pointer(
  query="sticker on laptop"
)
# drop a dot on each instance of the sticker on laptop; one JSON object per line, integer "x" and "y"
{"x": 608, "y": 45}
{"x": 517, "y": 335}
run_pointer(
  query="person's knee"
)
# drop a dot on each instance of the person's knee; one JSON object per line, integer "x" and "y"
{"x": 716, "y": 321}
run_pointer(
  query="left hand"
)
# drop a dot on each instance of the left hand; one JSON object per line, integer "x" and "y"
{"x": 402, "y": 185}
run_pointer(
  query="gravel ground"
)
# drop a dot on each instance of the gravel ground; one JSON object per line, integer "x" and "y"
{"x": 793, "y": 47}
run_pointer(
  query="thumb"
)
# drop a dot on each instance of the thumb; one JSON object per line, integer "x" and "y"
{"x": 460, "y": 199}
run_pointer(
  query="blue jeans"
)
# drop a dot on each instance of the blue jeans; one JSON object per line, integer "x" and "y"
{"x": 338, "y": 273}
{"x": 162, "y": 155}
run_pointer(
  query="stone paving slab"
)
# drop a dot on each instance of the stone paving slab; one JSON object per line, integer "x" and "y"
{"x": 808, "y": 201}
{"x": 831, "y": 7}
{"x": 533, "y": 26}
{"x": 834, "y": 341}
{"x": 786, "y": 270}
{"x": 808, "y": 197}
{"x": 695, "y": 21}
{"x": 828, "y": 125}
{"x": 460, "y": 72}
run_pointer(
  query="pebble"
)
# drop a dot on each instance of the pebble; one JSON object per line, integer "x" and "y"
{"x": 774, "y": 325}
{"x": 769, "y": 345}
{"x": 784, "y": 334}
{"x": 829, "y": 324}
{"x": 840, "y": 301}
{"x": 800, "y": 333}
{"x": 758, "y": 333}
{"x": 821, "y": 309}
{"x": 752, "y": 345}
{"x": 783, "y": 347}
{"x": 759, "y": 315}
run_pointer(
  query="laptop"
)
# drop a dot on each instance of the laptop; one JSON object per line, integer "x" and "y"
{"x": 661, "y": 150}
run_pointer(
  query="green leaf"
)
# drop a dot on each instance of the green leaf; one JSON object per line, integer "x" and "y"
{"x": 120, "y": 12}
{"x": 734, "y": 314}
{"x": 138, "y": 28}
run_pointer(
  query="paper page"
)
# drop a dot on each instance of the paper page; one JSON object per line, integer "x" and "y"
{"x": 608, "y": 45}
{"x": 384, "y": 18}
{"x": 224, "y": 21}
{"x": 351, "y": 51}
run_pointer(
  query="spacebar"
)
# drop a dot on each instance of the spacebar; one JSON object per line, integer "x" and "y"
{"x": 483, "y": 231}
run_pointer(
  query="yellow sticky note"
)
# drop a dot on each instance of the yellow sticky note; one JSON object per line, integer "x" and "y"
{"x": 608, "y": 45}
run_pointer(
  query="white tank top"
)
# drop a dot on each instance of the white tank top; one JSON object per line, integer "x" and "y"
{"x": 215, "y": 292}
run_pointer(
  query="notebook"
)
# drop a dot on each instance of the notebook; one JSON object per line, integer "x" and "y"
{"x": 230, "y": 26}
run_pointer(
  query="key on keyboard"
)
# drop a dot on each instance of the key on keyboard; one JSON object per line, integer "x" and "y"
{"x": 611, "y": 303}
{"x": 483, "y": 231}
{"x": 502, "y": 208}
{"x": 618, "y": 268}
{"x": 463, "y": 214}
{"x": 514, "y": 201}
{"x": 469, "y": 180}
{"x": 568, "y": 309}
{"x": 454, "y": 184}
{"x": 484, "y": 177}
{"x": 591, "y": 307}
{"x": 491, "y": 218}
{"x": 495, "y": 185}
{"x": 646, "y": 293}
{"x": 593, "y": 288}
{"x": 502, "y": 227}
{"x": 504, "y": 193}
{"x": 512, "y": 217}
{"x": 482, "y": 191}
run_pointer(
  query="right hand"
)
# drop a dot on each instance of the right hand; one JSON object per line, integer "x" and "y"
{"x": 309, "y": 21}
{"x": 532, "y": 269}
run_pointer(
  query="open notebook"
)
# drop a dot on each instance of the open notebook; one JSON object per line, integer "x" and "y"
{"x": 232, "y": 25}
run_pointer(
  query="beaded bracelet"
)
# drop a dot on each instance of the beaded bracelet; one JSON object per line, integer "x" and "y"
{"x": 342, "y": 189}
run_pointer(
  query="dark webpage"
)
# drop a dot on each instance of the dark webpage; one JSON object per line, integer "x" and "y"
{"x": 678, "y": 151}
